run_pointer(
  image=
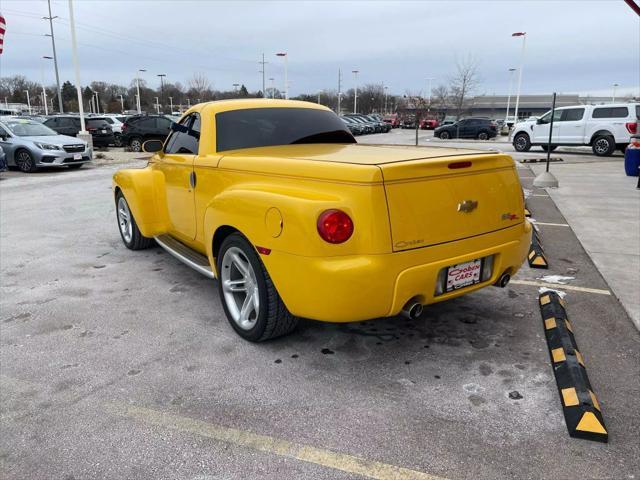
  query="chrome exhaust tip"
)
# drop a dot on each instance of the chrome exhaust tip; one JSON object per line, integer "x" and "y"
{"x": 412, "y": 310}
{"x": 503, "y": 281}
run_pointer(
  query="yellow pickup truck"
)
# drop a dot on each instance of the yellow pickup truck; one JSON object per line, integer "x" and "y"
{"x": 277, "y": 201}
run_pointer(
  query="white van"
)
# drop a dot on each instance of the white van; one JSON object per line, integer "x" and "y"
{"x": 603, "y": 127}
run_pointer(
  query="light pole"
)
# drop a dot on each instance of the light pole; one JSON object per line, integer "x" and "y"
{"x": 162, "y": 75}
{"x": 157, "y": 105}
{"x": 286, "y": 78}
{"x": 355, "y": 96}
{"x": 55, "y": 56}
{"x": 83, "y": 134}
{"x": 615, "y": 86}
{"x": 97, "y": 103}
{"x": 319, "y": 96}
{"x": 524, "y": 41}
{"x": 121, "y": 103}
{"x": 263, "y": 72}
{"x": 28, "y": 101}
{"x": 339, "y": 107}
{"x": 430, "y": 79}
{"x": 273, "y": 87}
{"x": 138, "y": 87}
{"x": 506, "y": 118}
{"x": 386, "y": 96}
{"x": 235, "y": 87}
{"x": 171, "y": 105}
{"x": 44, "y": 92}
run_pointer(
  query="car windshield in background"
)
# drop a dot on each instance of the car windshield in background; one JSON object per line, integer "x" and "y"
{"x": 264, "y": 127}
{"x": 29, "y": 128}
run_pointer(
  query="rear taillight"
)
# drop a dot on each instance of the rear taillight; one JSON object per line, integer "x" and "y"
{"x": 335, "y": 226}
{"x": 632, "y": 127}
{"x": 124, "y": 127}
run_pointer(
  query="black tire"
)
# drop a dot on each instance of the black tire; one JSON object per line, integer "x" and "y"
{"x": 544, "y": 147}
{"x": 444, "y": 135}
{"x": 75, "y": 166}
{"x": 24, "y": 161}
{"x": 137, "y": 241}
{"x": 483, "y": 136}
{"x": 273, "y": 320}
{"x": 117, "y": 141}
{"x": 521, "y": 142}
{"x": 135, "y": 144}
{"x": 603, "y": 145}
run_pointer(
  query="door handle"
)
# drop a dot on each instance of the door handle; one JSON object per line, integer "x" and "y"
{"x": 192, "y": 179}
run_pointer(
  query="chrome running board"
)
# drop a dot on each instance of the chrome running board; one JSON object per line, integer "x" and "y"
{"x": 186, "y": 255}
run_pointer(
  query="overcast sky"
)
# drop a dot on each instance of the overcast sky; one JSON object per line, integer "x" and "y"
{"x": 572, "y": 46}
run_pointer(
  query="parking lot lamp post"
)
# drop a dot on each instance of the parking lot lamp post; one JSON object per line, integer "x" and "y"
{"x": 121, "y": 103}
{"x": 55, "y": 56}
{"x": 386, "y": 97}
{"x": 524, "y": 41}
{"x": 171, "y": 105}
{"x": 286, "y": 77}
{"x": 273, "y": 87}
{"x": 44, "y": 92}
{"x": 613, "y": 98}
{"x": 138, "y": 88}
{"x": 82, "y": 134}
{"x": 162, "y": 75}
{"x": 28, "y": 101}
{"x": 157, "y": 105}
{"x": 97, "y": 103}
{"x": 355, "y": 95}
{"x": 188, "y": 103}
{"x": 506, "y": 117}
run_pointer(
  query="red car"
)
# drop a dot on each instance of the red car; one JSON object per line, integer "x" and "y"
{"x": 429, "y": 124}
{"x": 393, "y": 120}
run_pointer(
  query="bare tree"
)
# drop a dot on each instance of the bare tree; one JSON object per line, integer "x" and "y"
{"x": 199, "y": 83}
{"x": 464, "y": 82}
{"x": 420, "y": 105}
{"x": 440, "y": 96}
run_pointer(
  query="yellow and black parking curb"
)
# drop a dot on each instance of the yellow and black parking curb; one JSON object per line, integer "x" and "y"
{"x": 527, "y": 212}
{"x": 536, "y": 255}
{"x": 582, "y": 412}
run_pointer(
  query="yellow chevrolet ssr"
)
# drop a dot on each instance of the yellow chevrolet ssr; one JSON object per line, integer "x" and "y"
{"x": 275, "y": 199}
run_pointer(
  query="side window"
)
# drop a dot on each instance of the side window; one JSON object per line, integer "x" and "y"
{"x": 163, "y": 123}
{"x": 3, "y": 132}
{"x": 52, "y": 122}
{"x": 185, "y": 136}
{"x": 611, "y": 112}
{"x": 572, "y": 114}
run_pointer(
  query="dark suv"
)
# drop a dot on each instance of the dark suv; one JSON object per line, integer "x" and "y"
{"x": 480, "y": 128}
{"x": 140, "y": 128}
{"x": 99, "y": 128}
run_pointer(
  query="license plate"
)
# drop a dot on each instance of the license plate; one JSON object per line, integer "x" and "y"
{"x": 463, "y": 275}
{"x": 103, "y": 131}
{"x": 77, "y": 156}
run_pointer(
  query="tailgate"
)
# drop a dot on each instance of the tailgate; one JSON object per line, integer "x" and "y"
{"x": 441, "y": 200}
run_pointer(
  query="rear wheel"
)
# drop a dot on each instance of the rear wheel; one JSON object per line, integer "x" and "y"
{"x": 522, "y": 143}
{"x": 545, "y": 147}
{"x": 483, "y": 136}
{"x": 25, "y": 161}
{"x": 603, "y": 145}
{"x": 117, "y": 140}
{"x": 135, "y": 144}
{"x": 445, "y": 135}
{"x": 250, "y": 300}
{"x": 131, "y": 236}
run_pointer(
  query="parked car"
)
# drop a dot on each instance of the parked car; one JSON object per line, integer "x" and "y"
{"x": 354, "y": 127}
{"x": 408, "y": 122}
{"x": 116, "y": 126}
{"x": 249, "y": 191}
{"x": 473, "y": 127}
{"x": 140, "y": 128}
{"x": 29, "y": 145}
{"x": 367, "y": 126}
{"x": 98, "y": 127}
{"x": 392, "y": 120}
{"x": 429, "y": 124}
{"x": 448, "y": 120}
{"x": 3, "y": 160}
{"x": 381, "y": 126}
{"x": 603, "y": 127}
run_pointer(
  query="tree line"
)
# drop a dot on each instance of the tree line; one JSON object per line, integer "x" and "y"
{"x": 114, "y": 98}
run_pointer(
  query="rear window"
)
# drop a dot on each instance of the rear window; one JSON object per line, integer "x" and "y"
{"x": 611, "y": 112}
{"x": 97, "y": 123}
{"x": 264, "y": 127}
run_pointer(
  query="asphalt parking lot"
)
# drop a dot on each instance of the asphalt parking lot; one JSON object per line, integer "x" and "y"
{"x": 121, "y": 364}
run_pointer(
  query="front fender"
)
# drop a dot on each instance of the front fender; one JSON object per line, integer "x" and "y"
{"x": 142, "y": 188}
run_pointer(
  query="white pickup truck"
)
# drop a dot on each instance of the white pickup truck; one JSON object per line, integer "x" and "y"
{"x": 603, "y": 127}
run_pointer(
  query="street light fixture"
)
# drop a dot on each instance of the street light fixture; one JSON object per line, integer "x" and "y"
{"x": 273, "y": 87}
{"x": 286, "y": 78}
{"x": 235, "y": 87}
{"x": 386, "y": 95}
{"x": 28, "y": 101}
{"x": 55, "y": 56}
{"x": 171, "y": 105}
{"x": 615, "y": 86}
{"x": 138, "y": 88}
{"x": 524, "y": 41}
{"x": 355, "y": 96}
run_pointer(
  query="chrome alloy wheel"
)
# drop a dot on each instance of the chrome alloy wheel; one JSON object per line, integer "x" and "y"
{"x": 240, "y": 288}
{"x": 601, "y": 146}
{"x": 124, "y": 220}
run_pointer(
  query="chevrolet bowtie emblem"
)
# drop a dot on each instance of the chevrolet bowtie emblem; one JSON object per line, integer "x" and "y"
{"x": 467, "y": 206}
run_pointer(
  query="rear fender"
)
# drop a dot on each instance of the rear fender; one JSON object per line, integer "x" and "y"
{"x": 143, "y": 189}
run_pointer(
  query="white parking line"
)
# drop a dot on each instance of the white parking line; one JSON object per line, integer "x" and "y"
{"x": 556, "y": 286}
{"x": 551, "y": 224}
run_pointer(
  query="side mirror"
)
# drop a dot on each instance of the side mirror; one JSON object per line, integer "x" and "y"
{"x": 152, "y": 146}
{"x": 539, "y": 121}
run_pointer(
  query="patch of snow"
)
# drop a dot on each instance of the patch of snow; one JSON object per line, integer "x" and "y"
{"x": 557, "y": 279}
{"x": 545, "y": 289}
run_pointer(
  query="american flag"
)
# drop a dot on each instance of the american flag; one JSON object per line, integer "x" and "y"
{"x": 3, "y": 27}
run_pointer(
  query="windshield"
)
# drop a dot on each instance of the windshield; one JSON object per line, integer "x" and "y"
{"x": 264, "y": 127}
{"x": 29, "y": 128}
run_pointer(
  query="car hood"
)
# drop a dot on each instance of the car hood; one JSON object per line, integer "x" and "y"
{"x": 54, "y": 139}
